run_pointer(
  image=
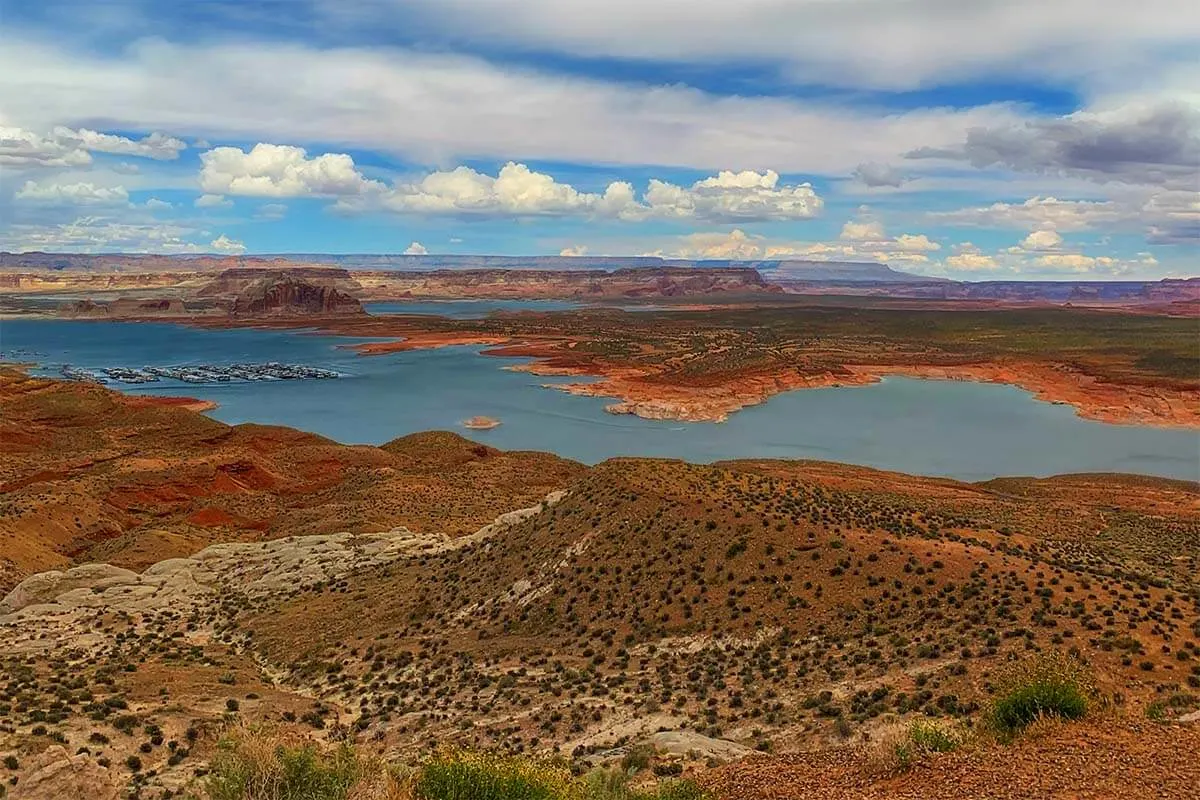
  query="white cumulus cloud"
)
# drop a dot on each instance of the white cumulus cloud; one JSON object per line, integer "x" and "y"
{"x": 22, "y": 148}
{"x": 969, "y": 258}
{"x": 1023, "y": 262}
{"x": 416, "y": 249}
{"x": 731, "y": 196}
{"x": 274, "y": 170}
{"x": 736, "y": 245}
{"x": 915, "y": 243}
{"x": 1046, "y": 239}
{"x": 212, "y": 201}
{"x": 1063, "y": 215}
{"x": 223, "y": 244}
{"x": 866, "y": 238}
{"x": 65, "y": 147}
{"x": 94, "y": 233}
{"x": 157, "y": 146}
{"x": 860, "y": 241}
{"x": 516, "y": 190}
{"x": 75, "y": 194}
{"x": 862, "y": 230}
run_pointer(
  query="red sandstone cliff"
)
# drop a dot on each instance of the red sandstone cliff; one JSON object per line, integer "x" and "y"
{"x": 286, "y": 295}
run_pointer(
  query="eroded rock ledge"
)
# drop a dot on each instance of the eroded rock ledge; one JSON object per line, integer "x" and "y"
{"x": 50, "y": 609}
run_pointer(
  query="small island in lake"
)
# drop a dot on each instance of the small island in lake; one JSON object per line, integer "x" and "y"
{"x": 481, "y": 423}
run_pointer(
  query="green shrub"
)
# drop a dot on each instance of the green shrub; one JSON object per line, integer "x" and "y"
{"x": 606, "y": 784}
{"x": 470, "y": 776}
{"x": 474, "y": 776}
{"x": 1175, "y": 705}
{"x": 254, "y": 768}
{"x": 932, "y": 738}
{"x": 901, "y": 749}
{"x": 613, "y": 784}
{"x": 260, "y": 764}
{"x": 638, "y": 758}
{"x": 1050, "y": 685}
{"x": 674, "y": 790}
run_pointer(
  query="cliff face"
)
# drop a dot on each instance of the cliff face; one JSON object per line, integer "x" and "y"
{"x": 287, "y": 295}
{"x": 232, "y": 282}
{"x": 1127, "y": 293}
{"x": 125, "y": 307}
{"x": 239, "y": 292}
{"x": 529, "y": 283}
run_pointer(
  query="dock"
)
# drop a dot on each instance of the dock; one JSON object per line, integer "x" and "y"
{"x": 201, "y": 373}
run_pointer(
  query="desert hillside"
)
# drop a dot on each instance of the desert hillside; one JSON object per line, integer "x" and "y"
{"x": 88, "y": 474}
{"x": 435, "y": 592}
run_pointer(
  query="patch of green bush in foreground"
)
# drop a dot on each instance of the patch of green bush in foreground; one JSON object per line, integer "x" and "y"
{"x": 1049, "y": 685}
{"x": 482, "y": 777}
{"x": 256, "y": 764}
{"x": 900, "y": 749}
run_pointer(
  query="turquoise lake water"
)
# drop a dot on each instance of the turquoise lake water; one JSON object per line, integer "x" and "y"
{"x": 948, "y": 428}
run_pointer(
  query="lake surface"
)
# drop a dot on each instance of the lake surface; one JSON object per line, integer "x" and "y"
{"x": 964, "y": 430}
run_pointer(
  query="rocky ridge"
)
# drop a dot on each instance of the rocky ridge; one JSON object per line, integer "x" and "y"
{"x": 57, "y": 599}
{"x": 89, "y": 617}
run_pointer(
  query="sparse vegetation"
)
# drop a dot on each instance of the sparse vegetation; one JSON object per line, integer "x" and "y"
{"x": 772, "y": 603}
{"x": 262, "y": 764}
{"x": 473, "y": 776}
{"x": 1048, "y": 685}
{"x": 256, "y": 764}
{"x": 901, "y": 748}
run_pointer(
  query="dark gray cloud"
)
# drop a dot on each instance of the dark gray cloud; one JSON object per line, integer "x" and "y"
{"x": 873, "y": 174}
{"x": 1158, "y": 147}
{"x": 1186, "y": 231}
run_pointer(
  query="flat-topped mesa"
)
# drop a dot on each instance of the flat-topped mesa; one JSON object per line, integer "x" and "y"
{"x": 242, "y": 293}
{"x": 234, "y": 281}
{"x": 677, "y": 281}
{"x": 550, "y": 283}
{"x": 289, "y": 294}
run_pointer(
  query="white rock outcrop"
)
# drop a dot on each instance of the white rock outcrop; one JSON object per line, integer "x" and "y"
{"x": 57, "y": 775}
{"x": 52, "y": 608}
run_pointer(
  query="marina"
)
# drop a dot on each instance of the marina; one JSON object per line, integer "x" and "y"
{"x": 200, "y": 373}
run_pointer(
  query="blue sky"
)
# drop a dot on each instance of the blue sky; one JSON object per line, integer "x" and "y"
{"x": 977, "y": 140}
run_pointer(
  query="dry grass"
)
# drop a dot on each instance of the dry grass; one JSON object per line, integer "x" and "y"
{"x": 899, "y": 748}
{"x": 265, "y": 763}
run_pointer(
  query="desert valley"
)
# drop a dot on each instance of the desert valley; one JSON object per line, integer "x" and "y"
{"x": 752, "y": 628}
{"x": 599, "y": 400}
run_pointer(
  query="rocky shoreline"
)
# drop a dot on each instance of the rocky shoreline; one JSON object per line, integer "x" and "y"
{"x": 653, "y": 393}
{"x": 639, "y": 393}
